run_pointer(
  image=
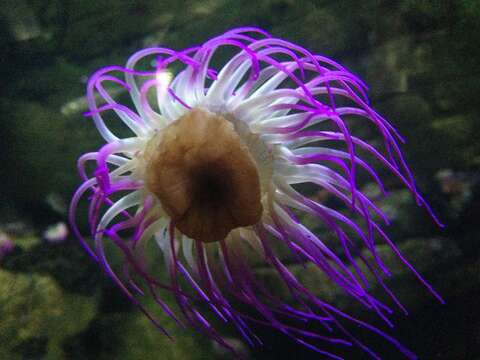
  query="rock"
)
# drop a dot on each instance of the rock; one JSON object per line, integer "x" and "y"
{"x": 35, "y": 309}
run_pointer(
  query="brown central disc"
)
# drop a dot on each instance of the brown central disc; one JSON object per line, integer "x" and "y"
{"x": 204, "y": 176}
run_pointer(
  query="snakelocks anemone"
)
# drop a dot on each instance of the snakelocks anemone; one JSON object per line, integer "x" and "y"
{"x": 225, "y": 143}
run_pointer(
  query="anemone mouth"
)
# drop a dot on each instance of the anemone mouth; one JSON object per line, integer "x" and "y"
{"x": 204, "y": 176}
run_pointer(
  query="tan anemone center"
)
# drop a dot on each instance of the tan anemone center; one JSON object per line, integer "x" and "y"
{"x": 204, "y": 176}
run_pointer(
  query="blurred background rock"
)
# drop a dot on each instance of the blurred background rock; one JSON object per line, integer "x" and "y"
{"x": 422, "y": 62}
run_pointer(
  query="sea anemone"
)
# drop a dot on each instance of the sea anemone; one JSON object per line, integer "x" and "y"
{"x": 6, "y": 245}
{"x": 56, "y": 233}
{"x": 229, "y": 144}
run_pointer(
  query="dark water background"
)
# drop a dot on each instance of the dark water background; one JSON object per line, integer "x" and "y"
{"x": 422, "y": 62}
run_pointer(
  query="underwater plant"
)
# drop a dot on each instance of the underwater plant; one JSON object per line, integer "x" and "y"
{"x": 222, "y": 139}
